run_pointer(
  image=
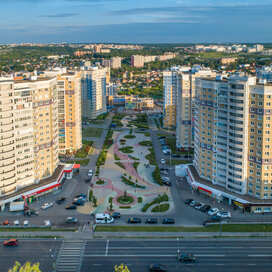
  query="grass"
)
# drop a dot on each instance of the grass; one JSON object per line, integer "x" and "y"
{"x": 120, "y": 165}
{"x": 117, "y": 119}
{"x": 129, "y": 136}
{"x": 177, "y": 162}
{"x": 135, "y": 165}
{"x": 213, "y": 228}
{"x": 140, "y": 199}
{"x": 83, "y": 162}
{"x": 90, "y": 195}
{"x": 145, "y": 143}
{"x": 100, "y": 182}
{"x": 116, "y": 157}
{"x": 31, "y": 229}
{"x": 85, "y": 150}
{"x": 124, "y": 207}
{"x": 134, "y": 158}
{"x": 157, "y": 200}
{"x": 171, "y": 142}
{"x": 161, "y": 208}
{"x": 92, "y": 132}
{"x": 146, "y": 134}
{"x": 157, "y": 176}
{"x": 131, "y": 183}
{"x": 122, "y": 200}
{"x": 127, "y": 149}
{"x": 151, "y": 157}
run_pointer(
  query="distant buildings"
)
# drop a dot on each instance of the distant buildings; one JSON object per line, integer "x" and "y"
{"x": 116, "y": 62}
{"x": 233, "y": 141}
{"x": 93, "y": 91}
{"x": 139, "y": 61}
{"x": 228, "y": 48}
{"x": 264, "y": 74}
{"x": 228, "y": 60}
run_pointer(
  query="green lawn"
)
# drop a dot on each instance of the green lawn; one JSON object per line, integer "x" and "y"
{"x": 127, "y": 149}
{"x": 145, "y": 143}
{"x": 177, "y": 162}
{"x": 151, "y": 157}
{"x": 85, "y": 150}
{"x": 171, "y": 142}
{"x": 83, "y": 162}
{"x": 92, "y": 132}
{"x": 213, "y": 228}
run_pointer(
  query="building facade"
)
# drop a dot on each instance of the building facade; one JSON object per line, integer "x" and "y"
{"x": 93, "y": 92}
{"x": 233, "y": 135}
{"x": 116, "y": 62}
{"x": 137, "y": 61}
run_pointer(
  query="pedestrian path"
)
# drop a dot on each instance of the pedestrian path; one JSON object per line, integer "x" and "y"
{"x": 70, "y": 256}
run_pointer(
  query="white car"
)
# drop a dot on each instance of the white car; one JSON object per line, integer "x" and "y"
{"x": 192, "y": 203}
{"x": 213, "y": 211}
{"x": 90, "y": 173}
{"x": 198, "y": 206}
{"x": 16, "y": 223}
{"x": 47, "y": 223}
{"x": 165, "y": 178}
{"x": 26, "y": 223}
{"x": 223, "y": 214}
{"x": 46, "y": 205}
{"x": 162, "y": 160}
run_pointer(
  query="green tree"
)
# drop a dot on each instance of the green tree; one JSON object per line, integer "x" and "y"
{"x": 121, "y": 268}
{"x": 27, "y": 267}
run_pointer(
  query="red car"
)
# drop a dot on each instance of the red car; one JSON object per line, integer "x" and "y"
{"x": 11, "y": 242}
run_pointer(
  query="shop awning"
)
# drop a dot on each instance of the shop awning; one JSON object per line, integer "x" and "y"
{"x": 76, "y": 166}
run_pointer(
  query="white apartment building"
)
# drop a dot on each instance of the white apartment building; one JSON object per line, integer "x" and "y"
{"x": 116, "y": 62}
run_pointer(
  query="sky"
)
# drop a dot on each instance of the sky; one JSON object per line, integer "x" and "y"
{"x": 135, "y": 21}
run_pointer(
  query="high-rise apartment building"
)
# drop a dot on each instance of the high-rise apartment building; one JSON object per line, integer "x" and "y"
{"x": 116, "y": 62}
{"x": 185, "y": 104}
{"x": 137, "y": 61}
{"x": 93, "y": 92}
{"x": 69, "y": 109}
{"x": 233, "y": 128}
{"x": 29, "y": 132}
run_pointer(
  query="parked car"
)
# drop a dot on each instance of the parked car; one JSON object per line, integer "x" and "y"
{"x": 6, "y": 223}
{"x": 162, "y": 160}
{"x": 161, "y": 137}
{"x": 175, "y": 155}
{"x": 71, "y": 207}
{"x": 90, "y": 173}
{"x": 26, "y": 223}
{"x": 88, "y": 180}
{"x": 193, "y": 203}
{"x": 205, "y": 208}
{"x": 186, "y": 257}
{"x": 198, "y": 206}
{"x": 115, "y": 215}
{"x": 60, "y": 200}
{"x": 71, "y": 220}
{"x": 30, "y": 213}
{"x": 11, "y": 242}
{"x": 134, "y": 220}
{"x": 168, "y": 221}
{"x": 151, "y": 221}
{"x": 164, "y": 171}
{"x": 16, "y": 223}
{"x": 188, "y": 201}
{"x": 46, "y": 205}
{"x": 157, "y": 268}
{"x": 81, "y": 195}
{"x": 213, "y": 211}
{"x": 165, "y": 178}
{"x": 167, "y": 183}
{"x": 47, "y": 223}
{"x": 223, "y": 214}
{"x": 216, "y": 218}
{"x": 78, "y": 202}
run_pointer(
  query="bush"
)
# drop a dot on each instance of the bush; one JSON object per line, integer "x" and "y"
{"x": 127, "y": 149}
{"x": 157, "y": 200}
{"x": 100, "y": 182}
{"x": 124, "y": 207}
{"x": 157, "y": 176}
{"x": 120, "y": 164}
{"x": 129, "y": 136}
{"x": 140, "y": 199}
{"x": 90, "y": 195}
{"x": 145, "y": 143}
{"x": 151, "y": 157}
{"x": 131, "y": 183}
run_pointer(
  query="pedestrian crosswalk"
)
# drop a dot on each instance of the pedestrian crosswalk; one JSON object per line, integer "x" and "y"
{"x": 70, "y": 256}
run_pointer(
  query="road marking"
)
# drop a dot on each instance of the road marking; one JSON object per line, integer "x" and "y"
{"x": 259, "y": 255}
{"x": 149, "y": 255}
{"x": 107, "y": 248}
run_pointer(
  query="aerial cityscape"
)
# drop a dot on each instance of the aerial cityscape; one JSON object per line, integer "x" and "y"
{"x": 135, "y": 136}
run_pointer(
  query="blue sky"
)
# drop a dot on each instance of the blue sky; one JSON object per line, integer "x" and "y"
{"x": 135, "y": 21}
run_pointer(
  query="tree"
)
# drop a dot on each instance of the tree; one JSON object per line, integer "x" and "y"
{"x": 125, "y": 195}
{"x": 27, "y": 267}
{"x": 121, "y": 268}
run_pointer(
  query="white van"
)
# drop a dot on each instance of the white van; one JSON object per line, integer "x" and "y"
{"x": 103, "y": 218}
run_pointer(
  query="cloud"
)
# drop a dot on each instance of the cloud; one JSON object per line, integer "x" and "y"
{"x": 60, "y": 15}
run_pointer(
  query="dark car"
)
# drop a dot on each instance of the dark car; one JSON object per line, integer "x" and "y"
{"x": 186, "y": 257}
{"x": 81, "y": 195}
{"x": 71, "y": 220}
{"x": 187, "y": 156}
{"x": 167, "y": 183}
{"x": 71, "y": 207}
{"x": 161, "y": 137}
{"x": 168, "y": 221}
{"x": 10, "y": 242}
{"x": 88, "y": 180}
{"x": 30, "y": 213}
{"x": 151, "y": 221}
{"x": 188, "y": 201}
{"x": 115, "y": 215}
{"x": 157, "y": 268}
{"x": 134, "y": 220}
{"x": 216, "y": 218}
{"x": 60, "y": 200}
{"x": 175, "y": 155}
{"x": 205, "y": 208}
{"x": 79, "y": 202}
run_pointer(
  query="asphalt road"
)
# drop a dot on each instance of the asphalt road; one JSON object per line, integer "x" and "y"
{"x": 30, "y": 250}
{"x": 215, "y": 255}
